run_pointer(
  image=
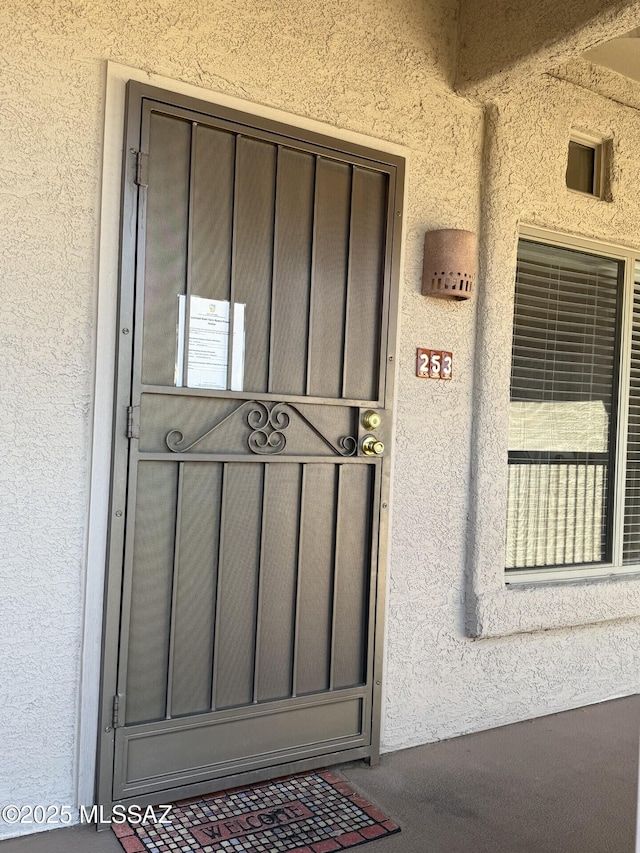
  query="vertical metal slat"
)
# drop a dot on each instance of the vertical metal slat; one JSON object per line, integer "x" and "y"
{"x": 296, "y": 629}
{"x": 334, "y": 609}
{"x": 256, "y": 646}
{"x": 312, "y": 275}
{"x": 174, "y": 590}
{"x": 389, "y": 305}
{"x": 187, "y": 307}
{"x": 347, "y": 289}
{"x": 216, "y": 621}
{"x": 376, "y": 581}
{"x": 232, "y": 272}
{"x": 161, "y": 247}
{"x": 274, "y": 264}
{"x": 195, "y": 602}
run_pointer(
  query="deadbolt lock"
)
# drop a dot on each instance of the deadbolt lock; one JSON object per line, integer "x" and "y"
{"x": 371, "y": 420}
{"x": 371, "y": 446}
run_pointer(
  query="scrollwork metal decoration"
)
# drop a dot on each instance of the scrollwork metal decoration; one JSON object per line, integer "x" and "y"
{"x": 349, "y": 443}
{"x": 175, "y": 437}
{"x": 267, "y": 426}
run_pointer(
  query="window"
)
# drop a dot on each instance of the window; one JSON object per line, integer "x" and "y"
{"x": 584, "y": 165}
{"x": 574, "y": 418}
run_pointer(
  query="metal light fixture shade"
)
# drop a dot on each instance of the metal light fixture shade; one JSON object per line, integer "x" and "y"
{"x": 450, "y": 261}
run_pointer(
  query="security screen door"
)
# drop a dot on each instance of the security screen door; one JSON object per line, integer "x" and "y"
{"x": 249, "y": 498}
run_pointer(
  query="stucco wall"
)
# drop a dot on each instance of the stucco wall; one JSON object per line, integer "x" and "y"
{"x": 49, "y": 193}
{"x": 440, "y": 683}
{"x": 379, "y": 69}
{"x": 502, "y": 41}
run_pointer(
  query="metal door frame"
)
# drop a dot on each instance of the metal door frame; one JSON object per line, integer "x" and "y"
{"x": 133, "y": 216}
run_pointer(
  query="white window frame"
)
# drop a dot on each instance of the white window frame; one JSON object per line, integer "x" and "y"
{"x": 616, "y": 567}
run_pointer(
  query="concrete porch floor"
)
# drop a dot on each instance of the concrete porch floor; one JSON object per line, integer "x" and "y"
{"x": 566, "y": 783}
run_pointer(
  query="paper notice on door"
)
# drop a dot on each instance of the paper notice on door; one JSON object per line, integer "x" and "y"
{"x": 208, "y": 346}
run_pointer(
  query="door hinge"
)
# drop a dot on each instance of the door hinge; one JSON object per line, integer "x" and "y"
{"x": 142, "y": 169}
{"x": 132, "y": 422}
{"x": 118, "y": 704}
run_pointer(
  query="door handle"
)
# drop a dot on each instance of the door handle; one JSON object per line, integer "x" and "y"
{"x": 371, "y": 446}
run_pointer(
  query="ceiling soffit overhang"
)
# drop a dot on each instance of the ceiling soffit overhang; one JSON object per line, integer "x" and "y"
{"x": 502, "y": 42}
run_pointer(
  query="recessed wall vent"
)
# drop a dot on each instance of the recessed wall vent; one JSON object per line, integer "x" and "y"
{"x": 585, "y": 164}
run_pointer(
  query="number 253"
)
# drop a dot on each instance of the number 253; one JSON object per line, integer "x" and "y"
{"x": 435, "y": 364}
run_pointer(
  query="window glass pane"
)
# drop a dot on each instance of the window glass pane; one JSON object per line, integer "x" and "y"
{"x": 631, "y": 539}
{"x": 581, "y": 165}
{"x": 563, "y": 398}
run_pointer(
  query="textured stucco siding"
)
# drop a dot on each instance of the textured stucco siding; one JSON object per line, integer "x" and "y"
{"x": 384, "y": 70}
{"x": 504, "y": 40}
{"x": 49, "y": 194}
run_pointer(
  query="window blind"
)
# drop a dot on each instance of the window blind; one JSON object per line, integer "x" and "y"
{"x": 631, "y": 533}
{"x": 564, "y": 372}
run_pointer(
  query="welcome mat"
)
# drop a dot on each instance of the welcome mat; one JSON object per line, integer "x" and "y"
{"x": 312, "y": 813}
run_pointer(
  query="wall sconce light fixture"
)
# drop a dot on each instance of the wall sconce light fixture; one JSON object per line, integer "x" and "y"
{"x": 450, "y": 261}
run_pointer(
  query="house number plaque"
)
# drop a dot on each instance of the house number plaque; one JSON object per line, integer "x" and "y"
{"x": 434, "y": 363}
